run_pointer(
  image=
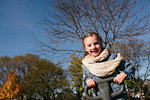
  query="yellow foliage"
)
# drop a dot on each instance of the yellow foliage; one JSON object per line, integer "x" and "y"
{"x": 10, "y": 88}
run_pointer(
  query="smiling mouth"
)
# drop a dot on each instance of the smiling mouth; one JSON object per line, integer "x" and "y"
{"x": 94, "y": 51}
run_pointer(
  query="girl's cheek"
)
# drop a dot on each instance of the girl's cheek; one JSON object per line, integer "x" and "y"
{"x": 98, "y": 46}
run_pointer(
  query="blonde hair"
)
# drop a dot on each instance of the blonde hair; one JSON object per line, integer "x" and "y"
{"x": 89, "y": 34}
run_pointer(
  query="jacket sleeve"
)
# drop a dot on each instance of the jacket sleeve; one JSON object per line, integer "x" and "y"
{"x": 127, "y": 68}
{"x": 85, "y": 75}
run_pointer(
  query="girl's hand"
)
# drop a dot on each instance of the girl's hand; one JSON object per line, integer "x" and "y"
{"x": 120, "y": 77}
{"x": 90, "y": 82}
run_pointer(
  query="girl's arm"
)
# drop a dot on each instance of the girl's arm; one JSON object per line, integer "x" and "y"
{"x": 86, "y": 79}
{"x": 90, "y": 82}
{"x": 120, "y": 77}
{"x": 126, "y": 71}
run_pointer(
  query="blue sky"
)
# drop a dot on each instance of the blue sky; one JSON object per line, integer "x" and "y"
{"x": 19, "y": 21}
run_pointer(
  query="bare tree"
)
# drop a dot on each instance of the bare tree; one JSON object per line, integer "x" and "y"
{"x": 136, "y": 52}
{"x": 112, "y": 19}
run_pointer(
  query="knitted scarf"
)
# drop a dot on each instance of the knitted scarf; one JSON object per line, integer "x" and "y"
{"x": 102, "y": 69}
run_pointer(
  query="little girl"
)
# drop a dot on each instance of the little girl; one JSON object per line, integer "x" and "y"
{"x": 99, "y": 64}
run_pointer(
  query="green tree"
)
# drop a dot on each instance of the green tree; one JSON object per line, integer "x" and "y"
{"x": 46, "y": 81}
{"x": 39, "y": 78}
{"x": 76, "y": 73}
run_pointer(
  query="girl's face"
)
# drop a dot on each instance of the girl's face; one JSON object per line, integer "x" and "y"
{"x": 92, "y": 46}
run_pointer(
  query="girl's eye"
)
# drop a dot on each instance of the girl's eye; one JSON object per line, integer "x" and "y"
{"x": 89, "y": 45}
{"x": 96, "y": 43}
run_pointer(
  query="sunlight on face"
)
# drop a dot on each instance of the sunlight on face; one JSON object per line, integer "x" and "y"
{"x": 92, "y": 46}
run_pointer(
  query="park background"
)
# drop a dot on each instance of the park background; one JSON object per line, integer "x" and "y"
{"x": 22, "y": 29}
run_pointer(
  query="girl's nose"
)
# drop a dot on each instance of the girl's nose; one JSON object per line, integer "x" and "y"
{"x": 93, "y": 46}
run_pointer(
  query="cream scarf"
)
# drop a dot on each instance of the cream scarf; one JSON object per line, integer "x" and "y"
{"x": 102, "y": 69}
